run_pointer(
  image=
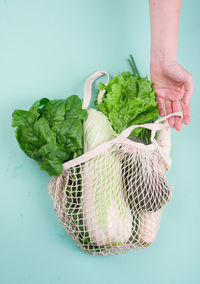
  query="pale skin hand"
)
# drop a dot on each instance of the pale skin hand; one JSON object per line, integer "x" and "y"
{"x": 173, "y": 87}
{"x": 172, "y": 83}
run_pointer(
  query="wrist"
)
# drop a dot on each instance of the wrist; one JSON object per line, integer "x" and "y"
{"x": 161, "y": 61}
{"x": 164, "y": 52}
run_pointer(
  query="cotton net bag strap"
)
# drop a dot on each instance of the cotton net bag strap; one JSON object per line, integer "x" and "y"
{"x": 88, "y": 88}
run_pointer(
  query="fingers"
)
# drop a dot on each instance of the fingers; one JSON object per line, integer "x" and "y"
{"x": 175, "y": 106}
{"x": 186, "y": 112}
{"x": 188, "y": 86}
{"x": 161, "y": 106}
{"x": 174, "y": 88}
{"x": 169, "y": 110}
{"x": 177, "y": 120}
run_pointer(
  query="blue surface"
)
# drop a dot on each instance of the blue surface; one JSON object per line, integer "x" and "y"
{"x": 48, "y": 49}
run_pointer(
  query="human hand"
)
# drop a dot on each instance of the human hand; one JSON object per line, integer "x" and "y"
{"x": 174, "y": 87}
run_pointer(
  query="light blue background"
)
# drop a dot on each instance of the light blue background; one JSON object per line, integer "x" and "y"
{"x": 48, "y": 49}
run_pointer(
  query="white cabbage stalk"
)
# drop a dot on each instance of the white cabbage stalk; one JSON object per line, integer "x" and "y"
{"x": 149, "y": 222}
{"x": 106, "y": 214}
{"x": 164, "y": 139}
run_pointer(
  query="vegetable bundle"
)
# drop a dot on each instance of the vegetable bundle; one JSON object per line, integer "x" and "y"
{"x": 109, "y": 187}
{"x": 51, "y": 132}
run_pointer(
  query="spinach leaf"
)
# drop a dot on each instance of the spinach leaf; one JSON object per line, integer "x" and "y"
{"x": 51, "y": 132}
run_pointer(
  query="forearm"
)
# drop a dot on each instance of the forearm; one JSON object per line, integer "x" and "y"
{"x": 164, "y": 18}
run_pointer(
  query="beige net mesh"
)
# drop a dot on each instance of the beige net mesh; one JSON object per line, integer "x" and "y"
{"x": 110, "y": 199}
{"x": 112, "y": 202}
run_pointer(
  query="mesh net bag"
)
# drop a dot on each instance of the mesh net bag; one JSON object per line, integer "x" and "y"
{"x": 110, "y": 199}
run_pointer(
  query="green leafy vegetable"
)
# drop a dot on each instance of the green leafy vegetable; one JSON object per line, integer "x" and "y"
{"x": 51, "y": 132}
{"x": 129, "y": 100}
